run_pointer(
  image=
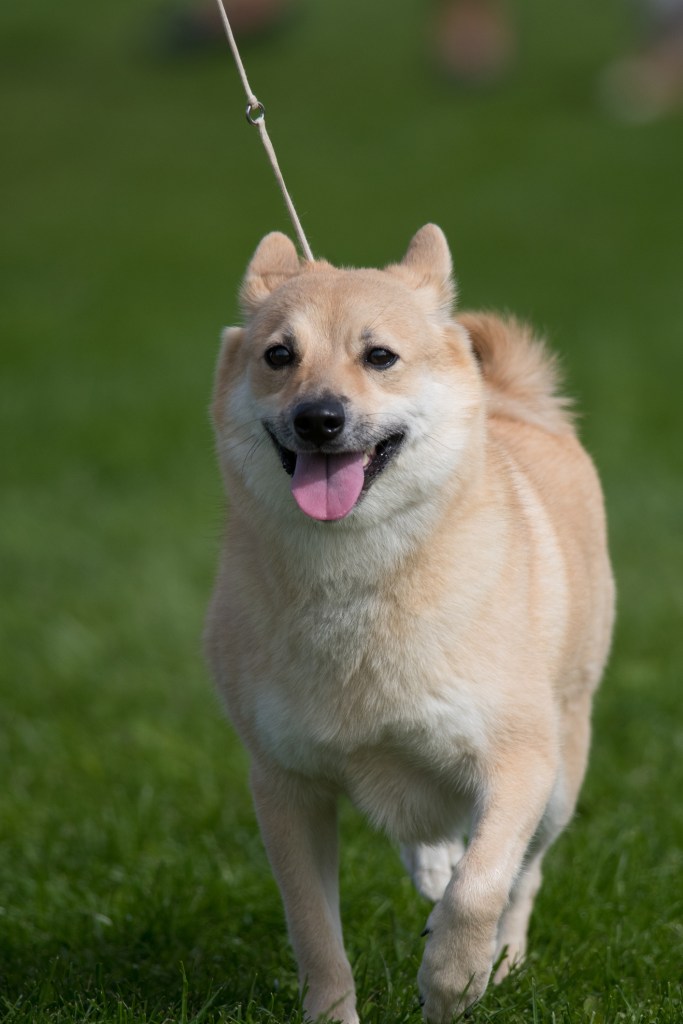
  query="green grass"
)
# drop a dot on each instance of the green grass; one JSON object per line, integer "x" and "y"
{"x": 133, "y": 885}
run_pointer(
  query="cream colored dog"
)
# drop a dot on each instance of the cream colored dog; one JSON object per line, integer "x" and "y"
{"x": 414, "y": 601}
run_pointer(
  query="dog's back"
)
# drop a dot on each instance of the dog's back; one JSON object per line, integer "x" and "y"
{"x": 532, "y": 424}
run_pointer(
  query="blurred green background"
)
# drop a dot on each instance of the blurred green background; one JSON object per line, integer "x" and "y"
{"x": 133, "y": 886}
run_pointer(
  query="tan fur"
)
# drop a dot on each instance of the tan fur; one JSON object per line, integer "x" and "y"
{"x": 521, "y": 375}
{"x": 434, "y": 653}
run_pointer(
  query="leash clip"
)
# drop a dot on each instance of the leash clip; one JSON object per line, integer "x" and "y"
{"x": 255, "y": 112}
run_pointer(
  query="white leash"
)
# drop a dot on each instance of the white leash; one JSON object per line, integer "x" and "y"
{"x": 256, "y": 115}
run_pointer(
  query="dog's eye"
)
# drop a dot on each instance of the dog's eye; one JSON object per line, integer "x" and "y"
{"x": 278, "y": 356}
{"x": 380, "y": 358}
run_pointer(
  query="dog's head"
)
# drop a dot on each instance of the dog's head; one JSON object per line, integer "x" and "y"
{"x": 348, "y": 393}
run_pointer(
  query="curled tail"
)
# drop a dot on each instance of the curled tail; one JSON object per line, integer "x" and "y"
{"x": 522, "y": 377}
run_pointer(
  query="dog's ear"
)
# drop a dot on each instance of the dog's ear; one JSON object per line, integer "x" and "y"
{"x": 427, "y": 267}
{"x": 226, "y": 368}
{"x": 274, "y": 261}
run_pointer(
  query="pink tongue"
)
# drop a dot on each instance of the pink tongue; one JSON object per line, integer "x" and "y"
{"x": 327, "y": 486}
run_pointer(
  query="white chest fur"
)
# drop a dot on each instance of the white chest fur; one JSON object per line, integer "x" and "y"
{"x": 387, "y": 684}
{"x": 359, "y": 692}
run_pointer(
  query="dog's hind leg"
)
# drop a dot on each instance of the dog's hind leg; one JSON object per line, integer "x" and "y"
{"x": 431, "y": 866}
{"x": 514, "y": 924}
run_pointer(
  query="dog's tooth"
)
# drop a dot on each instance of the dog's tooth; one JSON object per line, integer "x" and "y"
{"x": 366, "y": 460}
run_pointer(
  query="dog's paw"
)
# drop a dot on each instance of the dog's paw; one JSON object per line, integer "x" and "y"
{"x": 337, "y": 1012}
{"x": 332, "y": 998}
{"x": 431, "y": 867}
{"x": 455, "y": 969}
{"x": 431, "y": 882}
{"x": 508, "y": 957}
{"x": 446, "y": 990}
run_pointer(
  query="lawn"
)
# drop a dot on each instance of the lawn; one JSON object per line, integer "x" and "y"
{"x": 133, "y": 885}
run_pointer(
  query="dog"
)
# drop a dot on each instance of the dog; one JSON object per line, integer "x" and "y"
{"x": 413, "y": 605}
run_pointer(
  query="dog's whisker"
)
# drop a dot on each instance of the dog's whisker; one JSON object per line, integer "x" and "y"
{"x": 441, "y": 443}
{"x": 233, "y": 445}
{"x": 226, "y": 450}
{"x": 232, "y": 438}
{"x": 252, "y": 451}
{"x": 248, "y": 425}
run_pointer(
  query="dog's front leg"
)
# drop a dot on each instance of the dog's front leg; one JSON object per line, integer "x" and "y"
{"x": 462, "y": 928}
{"x": 298, "y": 823}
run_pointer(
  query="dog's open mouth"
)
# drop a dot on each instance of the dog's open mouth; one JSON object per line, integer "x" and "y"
{"x": 326, "y": 486}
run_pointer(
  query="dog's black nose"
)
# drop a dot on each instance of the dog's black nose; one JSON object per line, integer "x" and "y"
{"x": 319, "y": 422}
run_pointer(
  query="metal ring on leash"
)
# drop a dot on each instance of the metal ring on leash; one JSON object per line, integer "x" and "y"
{"x": 255, "y": 113}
